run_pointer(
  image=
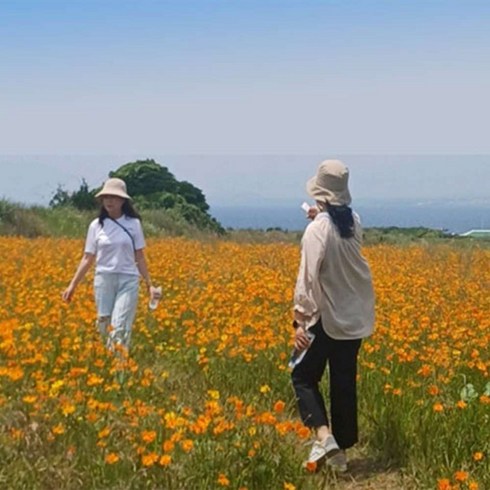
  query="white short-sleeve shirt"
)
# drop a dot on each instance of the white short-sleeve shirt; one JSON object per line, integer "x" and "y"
{"x": 113, "y": 247}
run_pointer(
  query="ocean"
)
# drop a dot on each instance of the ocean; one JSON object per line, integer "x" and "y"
{"x": 453, "y": 217}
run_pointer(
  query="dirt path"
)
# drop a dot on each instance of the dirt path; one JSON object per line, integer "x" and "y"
{"x": 365, "y": 473}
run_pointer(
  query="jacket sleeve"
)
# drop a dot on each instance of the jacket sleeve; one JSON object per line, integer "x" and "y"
{"x": 308, "y": 284}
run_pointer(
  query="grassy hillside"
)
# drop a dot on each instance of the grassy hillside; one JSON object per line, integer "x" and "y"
{"x": 35, "y": 221}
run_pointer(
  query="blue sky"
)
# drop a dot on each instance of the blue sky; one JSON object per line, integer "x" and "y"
{"x": 86, "y": 86}
{"x": 244, "y": 77}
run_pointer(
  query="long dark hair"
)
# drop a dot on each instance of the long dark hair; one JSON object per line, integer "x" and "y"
{"x": 343, "y": 219}
{"x": 127, "y": 209}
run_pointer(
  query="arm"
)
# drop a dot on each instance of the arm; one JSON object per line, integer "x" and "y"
{"x": 142, "y": 267}
{"x": 312, "y": 256}
{"x": 305, "y": 307}
{"x": 143, "y": 270}
{"x": 84, "y": 266}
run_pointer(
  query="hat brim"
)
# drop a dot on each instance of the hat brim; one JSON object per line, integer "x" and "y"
{"x": 103, "y": 193}
{"x": 335, "y": 198}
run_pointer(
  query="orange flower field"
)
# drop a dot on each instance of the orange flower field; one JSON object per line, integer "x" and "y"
{"x": 204, "y": 400}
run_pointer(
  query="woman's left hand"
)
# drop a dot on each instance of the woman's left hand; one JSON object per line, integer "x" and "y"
{"x": 312, "y": 212}
{"x": 155, "y": 293}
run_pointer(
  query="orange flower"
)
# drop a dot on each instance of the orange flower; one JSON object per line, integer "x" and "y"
{"x": 111, "y": 458}
{"x": 148, "y": 436}
{"x": 433, "y": 390}
{"x": 187, "y": 445}
{"x": 289, "y": 486}
{"x": 311, "y": 466}
{"x": 425, "y": 370}
{"x": 168, "y": 446}
{"x": 165, "y": 460}
{"x": 279, "y": 406}
{"x": 303, "y": 432}
{"x": 478, "y": 456}
{"x": 149, "y": 459}
{"x": 104, "y": 432}
{"x": 67, "y": 409}
{"x": 58, "y": 429}
{"x": 444, "y": 484}
{"x": 438, "y": 407}
{"x": 461, "y": 476}
{"x": 223, "y": 480}
{"x": 94, "y": 380}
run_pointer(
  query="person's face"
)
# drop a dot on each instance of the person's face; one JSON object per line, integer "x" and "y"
{"x": 113, "y": 204}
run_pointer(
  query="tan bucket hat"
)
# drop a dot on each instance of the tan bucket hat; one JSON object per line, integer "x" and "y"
{"x": 330, "y": 183}
{"x": 114, "y": 187}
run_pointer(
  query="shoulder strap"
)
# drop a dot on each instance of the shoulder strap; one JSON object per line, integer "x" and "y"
{"x": 126, "y": 230}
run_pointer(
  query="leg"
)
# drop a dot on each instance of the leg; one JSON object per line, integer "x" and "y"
{"x": 343, "y": 391}
{"x": 105, "y": 297}
{"x": 124, "y": 310}
{"x": 306, "y": 377}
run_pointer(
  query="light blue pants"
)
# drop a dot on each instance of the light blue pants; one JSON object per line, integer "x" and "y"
{"x": 116, "y": 297}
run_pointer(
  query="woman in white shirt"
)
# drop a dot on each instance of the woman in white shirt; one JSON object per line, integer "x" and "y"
{"x": 333, "y": 312}
{"x": 115, "y": 242}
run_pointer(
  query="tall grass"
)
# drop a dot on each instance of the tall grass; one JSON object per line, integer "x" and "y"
{"x": 37, "y": 221}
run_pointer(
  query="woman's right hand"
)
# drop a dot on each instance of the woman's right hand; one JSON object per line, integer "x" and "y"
{"x": 68, "y": 293}
{"x": 301, "y": 340}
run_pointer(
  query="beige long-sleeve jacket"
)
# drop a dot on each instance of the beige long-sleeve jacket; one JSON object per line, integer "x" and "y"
{"x": 334, "y": 281}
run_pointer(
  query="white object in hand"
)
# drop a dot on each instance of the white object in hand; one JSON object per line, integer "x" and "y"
{"x": 305, "y": 207}
{"x": 156, "y": 294}
{"x": 297, "y": 355}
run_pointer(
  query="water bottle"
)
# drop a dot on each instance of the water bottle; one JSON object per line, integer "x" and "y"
{"x": 154, "y": 300}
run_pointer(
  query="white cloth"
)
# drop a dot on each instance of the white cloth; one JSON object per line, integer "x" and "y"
{"x": 113, "y": 247}
{"x": 334, "y": 281}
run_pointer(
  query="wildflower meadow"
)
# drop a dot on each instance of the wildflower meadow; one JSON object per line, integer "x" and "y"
{"x": 204, "y": 400}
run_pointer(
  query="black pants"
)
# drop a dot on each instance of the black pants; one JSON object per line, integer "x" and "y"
{"x": 306, "y": 376}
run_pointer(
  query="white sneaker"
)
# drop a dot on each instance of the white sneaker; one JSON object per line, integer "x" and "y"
{"x": 338, "y": 461}
{"x": 322, "y": 449}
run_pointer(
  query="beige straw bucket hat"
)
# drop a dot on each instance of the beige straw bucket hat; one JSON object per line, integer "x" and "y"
{"x": 330, "y": 184}
{"x": 114, "y": 187}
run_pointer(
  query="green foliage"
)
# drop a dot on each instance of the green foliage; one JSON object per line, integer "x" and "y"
{"x": 83, "y": 199}
{"x": 192, "y": 195}
{"x": 146, "y": 177}
{"x": 16, "y": 219}
{"x": 152, "y": 186}
{"x": 67, "y": 221}
{"x": 399, "y": 236}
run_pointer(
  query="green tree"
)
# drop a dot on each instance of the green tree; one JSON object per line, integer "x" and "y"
{"x": 83, "y": 199}
{"x": 192, "y": 195}
{"x": 61, "y": 197}
{"x": 152, "y": 186}
{"x": 144, "y": 177}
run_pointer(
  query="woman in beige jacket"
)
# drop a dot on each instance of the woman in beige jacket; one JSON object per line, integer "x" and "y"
{"x": 333, "y": 312}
